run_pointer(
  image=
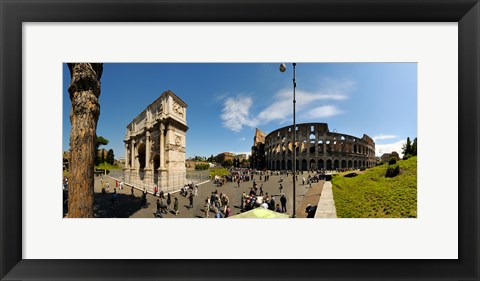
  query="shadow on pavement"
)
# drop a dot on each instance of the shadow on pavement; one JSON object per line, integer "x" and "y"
{"x": 123, "y": 207}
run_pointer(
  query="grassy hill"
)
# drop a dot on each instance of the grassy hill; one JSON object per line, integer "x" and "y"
{"x": 372, "y": 195}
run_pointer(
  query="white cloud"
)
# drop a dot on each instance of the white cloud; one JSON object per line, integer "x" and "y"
{"x": 323, "y": 112}
{"x": 236, "y": 111}
{"x": 281, "y": 108}
{"x": 380, "y": 149}
{"x": 241, "y": 139}
{"x": 384, "y": 137}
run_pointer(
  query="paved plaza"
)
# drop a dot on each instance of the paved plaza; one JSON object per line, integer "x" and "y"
{"x": 128, "y": 205}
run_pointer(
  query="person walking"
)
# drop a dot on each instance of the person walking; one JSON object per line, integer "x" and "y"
{"x": 281, "y": 188}
{"x": 196, "y": 190}
{"x": 190, "y": 198}
{"x": 144, "y": 197}
{"x": 175, "y": 206}
{"x": 155, "y": 190}
{"x": 169, "y": 201}
{"x": 283, "y": 201}
{"x": 158, "y": 213}
{"x": 261, "y": 189}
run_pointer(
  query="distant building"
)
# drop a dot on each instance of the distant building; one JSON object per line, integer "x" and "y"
{"x": 257, "y": 160}
{"x": 224, "y": 156}
{"x": 241, "y": 157}
{"x": 387, "y": 156}
{"x": 120, "y": 162}
{"x": 190, "y": 164}
{"x": 316, "y": 147}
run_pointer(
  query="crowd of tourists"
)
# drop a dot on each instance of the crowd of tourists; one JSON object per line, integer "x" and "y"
{"x": 218, "y": 204}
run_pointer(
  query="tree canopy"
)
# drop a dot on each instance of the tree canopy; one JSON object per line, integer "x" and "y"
{"x": 409, "y": 149}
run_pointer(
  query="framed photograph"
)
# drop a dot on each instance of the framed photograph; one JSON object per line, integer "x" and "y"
{"x": 422, "y": 57}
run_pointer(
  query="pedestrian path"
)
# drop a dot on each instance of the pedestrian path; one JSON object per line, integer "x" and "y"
{"x": 326, "y": 205}
{"x": 311, "y": 197}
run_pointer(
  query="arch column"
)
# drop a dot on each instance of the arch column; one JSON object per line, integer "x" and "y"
{"x": 132, "y": 154}
{"x": 162, "y": 146}
{"x": 148, "y": 164}
{"x": 126, "y": 156}
{"x": 162, "y": 170}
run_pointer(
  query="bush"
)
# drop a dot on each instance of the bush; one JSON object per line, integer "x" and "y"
{"x": 202, "y": 166}
{"x": 362, "y": 168}
{"x": 392, "y": 161}
{"x": 351, "y": 175}
{"x": 392, "y": 171}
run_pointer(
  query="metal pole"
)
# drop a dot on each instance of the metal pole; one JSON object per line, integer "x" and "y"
{"x": 294, "y": 139}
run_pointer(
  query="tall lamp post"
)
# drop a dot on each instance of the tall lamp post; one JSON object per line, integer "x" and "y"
{"x": 283, "y": 67}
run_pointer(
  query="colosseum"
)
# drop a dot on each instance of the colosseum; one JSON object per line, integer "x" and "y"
{"x": 316, "y": 148}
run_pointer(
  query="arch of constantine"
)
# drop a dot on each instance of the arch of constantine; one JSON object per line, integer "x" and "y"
{"x": 155, "y": 145}
{"x": 316, "y": 148}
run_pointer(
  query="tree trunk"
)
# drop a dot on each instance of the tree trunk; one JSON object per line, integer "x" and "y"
{"x": 84, "y": 91}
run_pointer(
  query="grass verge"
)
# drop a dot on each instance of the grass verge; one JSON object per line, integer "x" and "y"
{"x": 372, "y": 195}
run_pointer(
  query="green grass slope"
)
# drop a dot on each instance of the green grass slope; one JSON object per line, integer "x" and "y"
{"x": 372, "y": 195}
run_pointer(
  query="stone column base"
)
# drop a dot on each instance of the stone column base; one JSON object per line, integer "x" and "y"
{"x": 148, "y": 179}
{"x": 162, "y": 180}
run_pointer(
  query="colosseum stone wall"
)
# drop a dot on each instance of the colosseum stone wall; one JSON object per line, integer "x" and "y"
{"x": 317, "y": 148}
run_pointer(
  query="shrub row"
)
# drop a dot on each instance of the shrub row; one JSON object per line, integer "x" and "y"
{"x": 202, "y": 166}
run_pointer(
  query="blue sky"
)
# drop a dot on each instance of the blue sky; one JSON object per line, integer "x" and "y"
{"x": 227, "y": 101}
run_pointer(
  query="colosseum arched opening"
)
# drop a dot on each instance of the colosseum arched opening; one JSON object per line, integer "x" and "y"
{"x": 316, "y": 147}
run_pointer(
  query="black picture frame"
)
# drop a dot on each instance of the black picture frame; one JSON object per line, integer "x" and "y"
{"x": 14, "y": 13}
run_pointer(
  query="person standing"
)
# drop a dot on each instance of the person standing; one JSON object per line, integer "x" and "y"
{"x": 277, "y": 209}
{"x": 272, "y": 204}
{"x": 226, "y": 202}
{"x": 175, "y": 206}
{"x": 155, "y": 190}
{"x": 196, "y": 190}
{"x": 114, "y": 196}
{"x": 206, "y": 208}
{"x": 261, "y": 189}
{"x": 159, "y": 208}
{"x": 283, "y": 201}
{"x": 281, "y": 188}
{"x": 228, "y": 211}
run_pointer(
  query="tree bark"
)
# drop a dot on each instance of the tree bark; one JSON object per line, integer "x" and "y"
{"x": 84, "y": 91}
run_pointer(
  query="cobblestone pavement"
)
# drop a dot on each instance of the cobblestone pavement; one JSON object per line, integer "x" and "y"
{"x": 128, "y": 205}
